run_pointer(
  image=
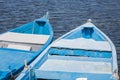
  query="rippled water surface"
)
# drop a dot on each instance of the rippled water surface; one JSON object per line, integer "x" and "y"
{"x": 65, "y": 15}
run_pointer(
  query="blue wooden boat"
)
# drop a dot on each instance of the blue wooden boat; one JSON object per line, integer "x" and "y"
{"x": 20, "y": 46}
{"x": 84, "y": 53}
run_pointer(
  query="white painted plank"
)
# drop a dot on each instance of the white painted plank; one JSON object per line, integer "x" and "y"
{"x": 24, "y": 38}
{"x": 82, "y": 43}
{"x": 77, "y": 66}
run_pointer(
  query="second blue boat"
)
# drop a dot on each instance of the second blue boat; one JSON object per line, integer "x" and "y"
{"x": 20, "y": 46}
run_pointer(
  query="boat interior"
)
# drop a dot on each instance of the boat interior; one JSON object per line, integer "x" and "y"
{"x": 80, "y": 53}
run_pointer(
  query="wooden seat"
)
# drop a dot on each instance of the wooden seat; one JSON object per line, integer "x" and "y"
{"x": 24, "y": 38}
{"x": 82, "y": 43}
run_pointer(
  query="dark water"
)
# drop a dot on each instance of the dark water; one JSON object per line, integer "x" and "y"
{"x": 64, "y": 15}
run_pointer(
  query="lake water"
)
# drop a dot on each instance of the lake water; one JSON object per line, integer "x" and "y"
{"x": 65, "y": 15}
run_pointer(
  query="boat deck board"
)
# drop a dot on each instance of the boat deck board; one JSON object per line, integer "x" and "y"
{"x": 76, "y": 66}
{"x": 70, "y": 68}
{"x": 24, "y": 38}
{"x": 82, "y": 43}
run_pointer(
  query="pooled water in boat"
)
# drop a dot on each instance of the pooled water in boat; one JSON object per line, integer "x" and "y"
{"x": 65, "y": 15}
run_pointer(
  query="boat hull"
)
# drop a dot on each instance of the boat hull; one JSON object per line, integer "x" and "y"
{"x": 22, "y": 44}
{"x": 84, "y": 53}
